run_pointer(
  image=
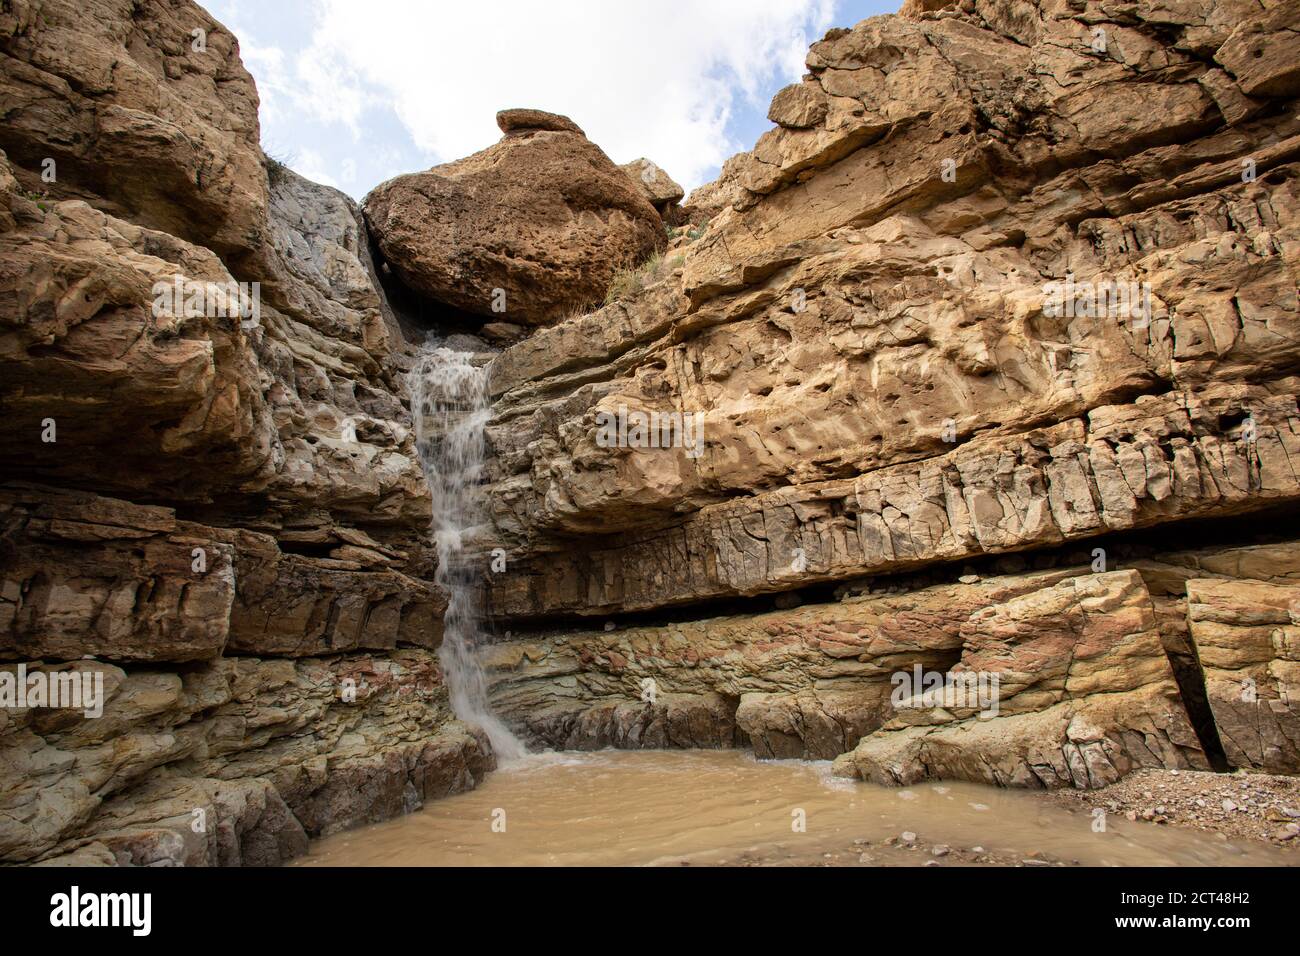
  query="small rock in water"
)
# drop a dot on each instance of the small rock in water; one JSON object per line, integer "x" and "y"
{"x": 609, "y": 625}
{"x": 907, "y": 836}
{"x": 939, "y": 850}
{"x": 906, "y": 795}
{"x": 977, "y": 849}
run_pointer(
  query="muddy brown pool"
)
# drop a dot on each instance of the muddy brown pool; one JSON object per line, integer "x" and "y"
{"x": 616, "y": 808}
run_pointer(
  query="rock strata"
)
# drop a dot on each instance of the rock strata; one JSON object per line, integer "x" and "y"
{"x": 209, "y": 492}
{"x": 980, "y": 365}
{"x": 1002, "y": 279}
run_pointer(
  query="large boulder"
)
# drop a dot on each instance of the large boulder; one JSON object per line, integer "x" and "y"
{"x": 544, "y": 216}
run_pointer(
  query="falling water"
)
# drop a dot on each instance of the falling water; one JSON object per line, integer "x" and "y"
{"x": 449, "y": 402}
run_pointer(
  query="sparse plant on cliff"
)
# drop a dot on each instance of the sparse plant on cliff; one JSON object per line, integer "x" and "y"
{"x": 629, "y": 281}
{"x": 275, "y": 167}
{"x": 40, "y": 198}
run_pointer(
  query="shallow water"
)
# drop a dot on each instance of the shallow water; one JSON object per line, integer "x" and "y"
{"x": 616, "y": 808}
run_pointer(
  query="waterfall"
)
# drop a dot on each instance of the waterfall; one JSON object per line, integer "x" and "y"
{"x": 449, "y": 403}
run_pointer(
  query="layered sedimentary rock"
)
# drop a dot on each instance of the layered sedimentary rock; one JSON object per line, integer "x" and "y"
{"x": 144, "y": 109}
{"x": 209, "y": 485}
{"x": 802, "y": 682}
{"x": 1002, "y": 278}
{"x": 528, "y": 230}
{"x": 1247, "y": 635}
{"x": 238, "y": 761}
{"x": 827, "y": 342}
{"x": 982, "y": 363}
{"x": 1087, "y": 683}
{"x": 1085, "y": 695}
{"x": 84, "y": 574}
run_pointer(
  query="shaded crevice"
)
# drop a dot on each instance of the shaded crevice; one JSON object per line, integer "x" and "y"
{"x": 1190, "y": 677}
{"x": 419, "y": 317}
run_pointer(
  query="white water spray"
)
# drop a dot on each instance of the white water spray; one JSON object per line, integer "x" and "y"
{"x": 449, "y": 402}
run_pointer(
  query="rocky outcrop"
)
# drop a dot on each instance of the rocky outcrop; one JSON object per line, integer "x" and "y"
{"x": 657, "y": 186}
{"x": 1062, "y": 677}
{"x": 529, "y": 230}
{"x": 1247, "y": 636}
{"x": 83, "y": 574}
{"x": 209, "y": 492}
{"x": 885, "y": 341}
{"x": 237, "y": 761}
{"x": 1003, "y": 278}
{"x": 802, "y": 682}
{"x": 1170, "y": 457}
{"x": 143, "y": 109}
{"x": 1085, "y": 695}
{"x": 980, "y": 366}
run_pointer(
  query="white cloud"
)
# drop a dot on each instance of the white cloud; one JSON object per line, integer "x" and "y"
{"x": 312, "y": 165}
{"x": 654, "y": 79}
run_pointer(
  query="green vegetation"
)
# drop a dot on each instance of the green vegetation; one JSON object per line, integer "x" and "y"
{"x": 40, "y": 198}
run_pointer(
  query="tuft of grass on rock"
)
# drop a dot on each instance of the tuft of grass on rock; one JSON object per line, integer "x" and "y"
{"x": 627, "y": 282}
{"x": 276, "y": 168}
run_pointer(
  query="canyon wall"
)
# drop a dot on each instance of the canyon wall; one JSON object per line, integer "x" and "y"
{"x": 982, "y": 364}
{"x": 1009, "y": 285}
{"x": 223, "y": 515}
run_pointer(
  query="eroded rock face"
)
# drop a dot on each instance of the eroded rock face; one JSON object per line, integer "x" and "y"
{"x": 1247, "y": 635}
{"x": 656, "y": 185}
{"x": 139, "y": 115}
{"x": 881, "y": 334}
{"x": 1085, "y": 690}
{"x": 543, "y": 216}
{"x": 1170, "y": 457}
{"x": 1086, "y": 694}
{"x": 271, "y": 751}
{"x": 1086, "y": 666}
{"x": 1003, "y": 277}
{"x": 902, "y": 341}
{"x": 213, "y": 494}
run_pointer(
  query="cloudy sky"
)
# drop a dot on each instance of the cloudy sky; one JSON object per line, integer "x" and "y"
{"x": 357, "y": 91}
